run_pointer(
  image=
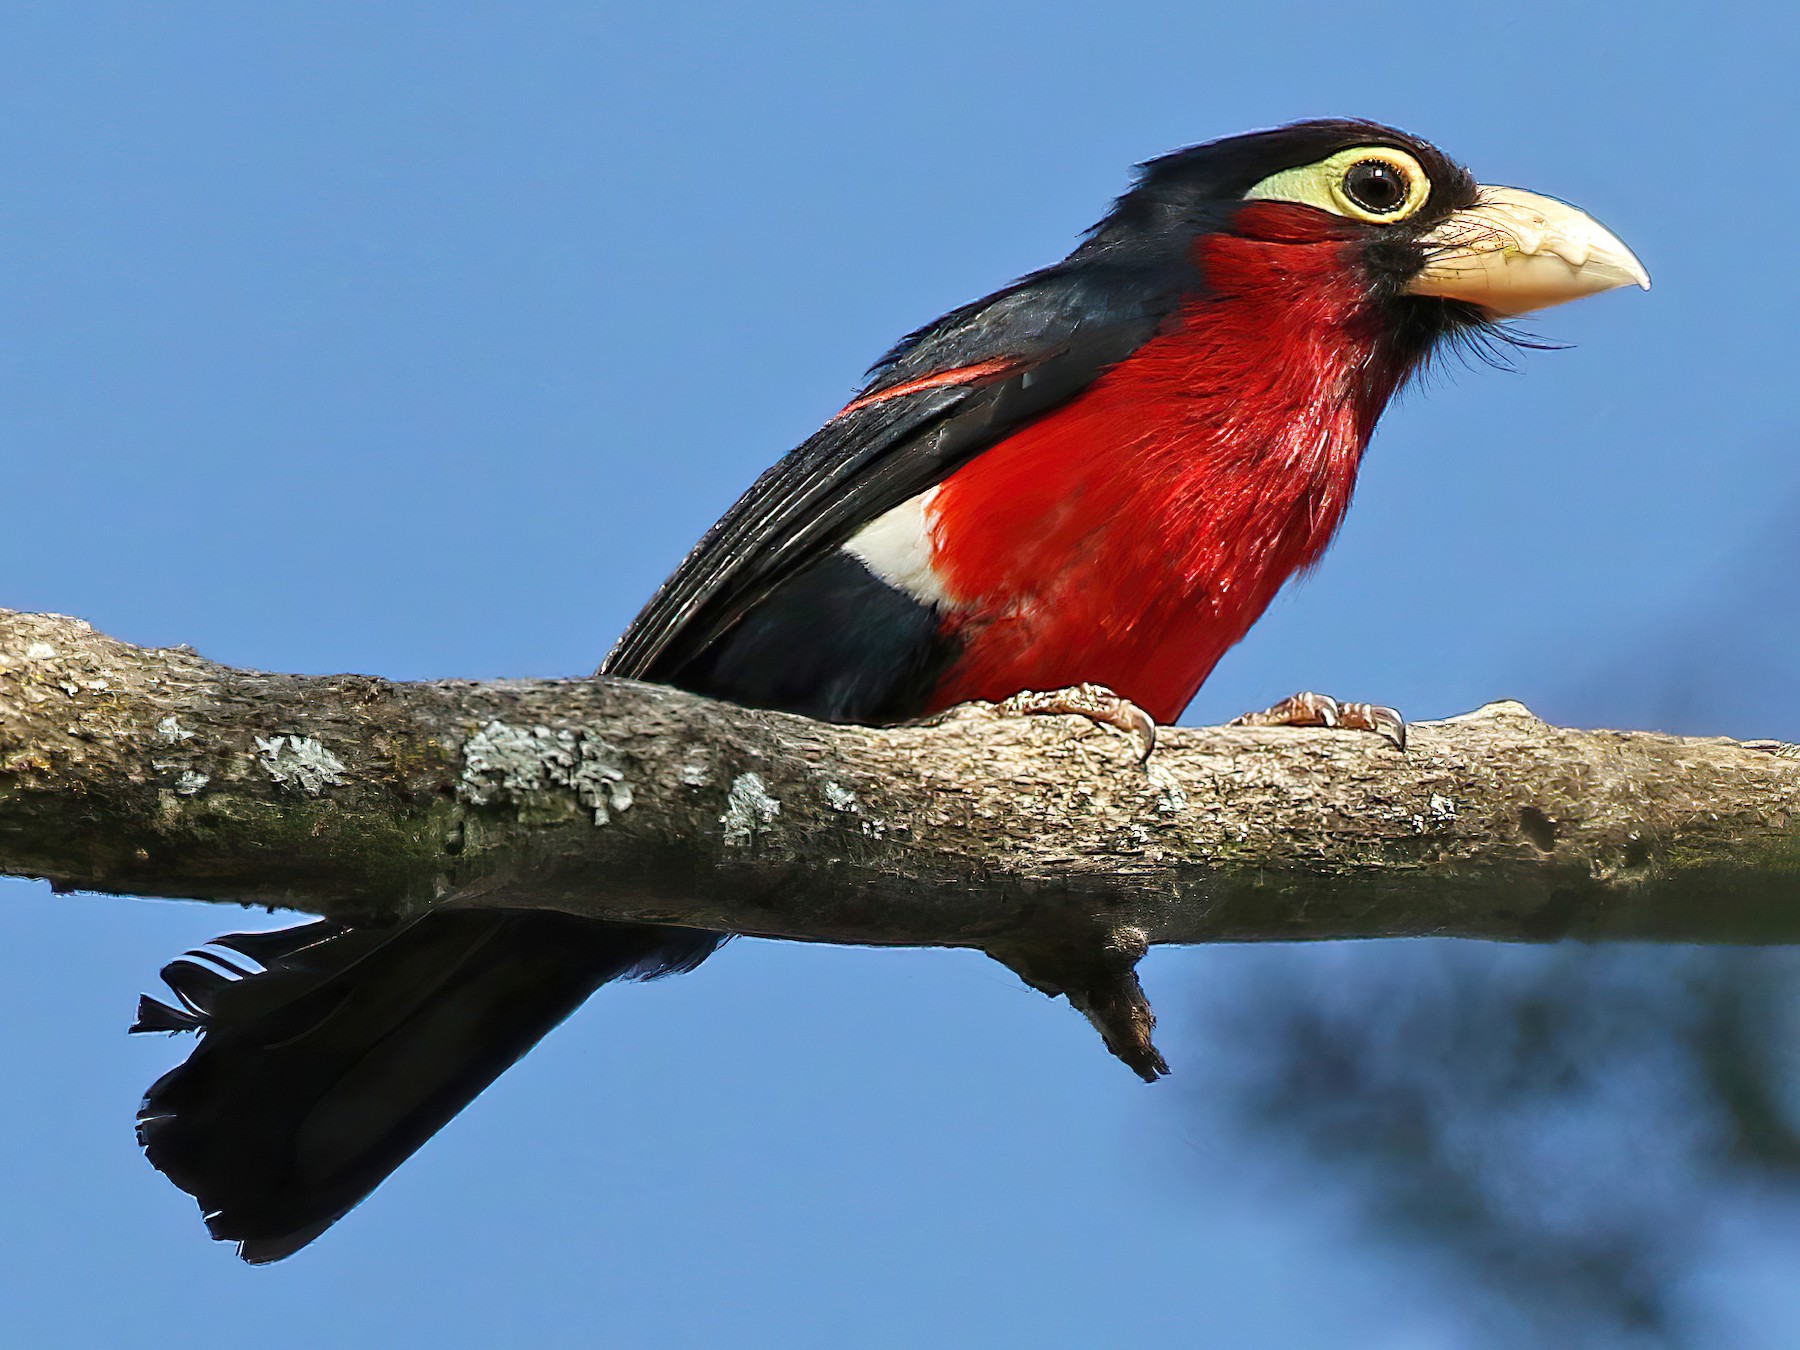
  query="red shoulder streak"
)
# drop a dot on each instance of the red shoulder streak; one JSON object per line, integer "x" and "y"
{"x": 942, "y": 379}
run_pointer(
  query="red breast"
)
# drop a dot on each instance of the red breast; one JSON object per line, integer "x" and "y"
{"x": 1135, "y": 534}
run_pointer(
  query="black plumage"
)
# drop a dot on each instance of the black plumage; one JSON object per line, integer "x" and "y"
{"x": 329, "y": 1054}
{"x": 1058, "y": 330}
{"x": 319, "y": 1075}
{"x": 276, "y": 1122}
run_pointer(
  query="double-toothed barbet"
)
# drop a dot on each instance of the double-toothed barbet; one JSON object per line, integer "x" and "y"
{"x": 1099, "y": 475}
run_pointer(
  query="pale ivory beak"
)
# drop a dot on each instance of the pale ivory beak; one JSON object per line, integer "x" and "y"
{"x": 1515, "y": 251}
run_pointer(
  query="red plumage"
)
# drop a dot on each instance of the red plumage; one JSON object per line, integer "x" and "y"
{"x": 1135, "y": 534}
{"x": 1121, "y": 458}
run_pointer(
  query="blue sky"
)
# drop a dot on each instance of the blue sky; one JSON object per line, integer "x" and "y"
{"x": 422, "y": 340}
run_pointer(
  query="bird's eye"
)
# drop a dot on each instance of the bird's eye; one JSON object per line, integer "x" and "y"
{"x": 1377, "y": 186}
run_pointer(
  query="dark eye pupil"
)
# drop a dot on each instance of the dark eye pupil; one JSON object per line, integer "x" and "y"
{"x": 1376, "y": 186}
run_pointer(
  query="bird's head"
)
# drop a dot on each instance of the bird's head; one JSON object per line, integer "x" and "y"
{"x": 1403, "y": 223}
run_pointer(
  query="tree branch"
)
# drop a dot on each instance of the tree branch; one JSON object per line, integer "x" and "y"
{"x": 155, "y": 772}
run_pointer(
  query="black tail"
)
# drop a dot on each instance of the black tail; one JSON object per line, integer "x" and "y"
{"x": 328, "y": 1054}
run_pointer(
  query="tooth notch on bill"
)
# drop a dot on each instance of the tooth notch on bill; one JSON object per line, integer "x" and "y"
{"x": 1516, "y": 251}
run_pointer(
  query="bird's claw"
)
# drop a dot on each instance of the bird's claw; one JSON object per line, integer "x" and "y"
{"x": 1320, "y": 710}
{"x": 1095, "y": 702}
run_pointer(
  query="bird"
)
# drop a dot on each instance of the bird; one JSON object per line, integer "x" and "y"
{"x": 1073, "y": 494}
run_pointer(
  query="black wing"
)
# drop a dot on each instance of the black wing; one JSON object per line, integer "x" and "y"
{"x": 1055, "y": 330}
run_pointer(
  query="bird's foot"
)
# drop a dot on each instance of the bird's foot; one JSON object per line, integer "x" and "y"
{"x": 1318, "y": 710}
{"x": 1095, "y": 702}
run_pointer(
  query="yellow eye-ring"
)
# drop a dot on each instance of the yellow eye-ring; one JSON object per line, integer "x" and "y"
{"x": 1374, "y": 183}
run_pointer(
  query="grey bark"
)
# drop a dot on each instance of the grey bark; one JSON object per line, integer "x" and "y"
{"x": 1039, "y": 840}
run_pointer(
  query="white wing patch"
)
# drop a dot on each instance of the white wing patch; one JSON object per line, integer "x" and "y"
{"x": 897, "y": 547}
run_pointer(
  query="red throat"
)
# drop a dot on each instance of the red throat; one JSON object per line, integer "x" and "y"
{"x": 1134, "y": 535}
